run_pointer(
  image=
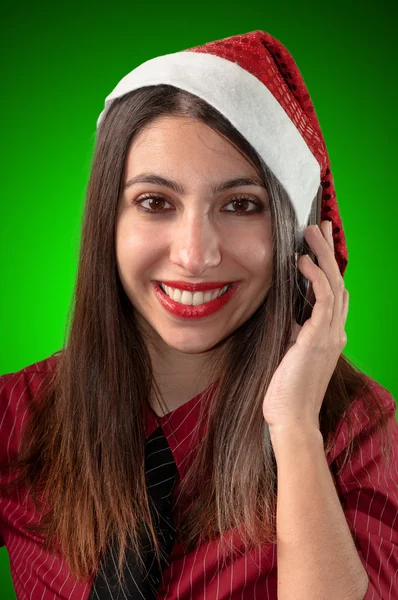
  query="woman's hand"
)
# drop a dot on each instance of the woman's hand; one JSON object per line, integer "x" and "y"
{"x": 298, "y": 386}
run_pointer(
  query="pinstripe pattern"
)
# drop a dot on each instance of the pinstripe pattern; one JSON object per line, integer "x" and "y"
{"x": 367, "y": 489}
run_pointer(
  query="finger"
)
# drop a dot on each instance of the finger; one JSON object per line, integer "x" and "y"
{"x": 317, "y": 239}
{"x": 345, "y": 305}
{"x": 343, "y": 335}
{"x": 322, "y": 312}
{"x": 327, "y": 230}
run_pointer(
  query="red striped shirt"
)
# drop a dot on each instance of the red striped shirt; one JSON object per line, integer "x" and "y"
{"x": 367, "y": 489}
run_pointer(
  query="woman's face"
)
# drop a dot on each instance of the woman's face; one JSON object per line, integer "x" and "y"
{"x": 199, "y": 235}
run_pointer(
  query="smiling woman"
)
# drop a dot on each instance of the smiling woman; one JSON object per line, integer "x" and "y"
{"x": 193, "y": 236}
{"x": 144, "y": 443}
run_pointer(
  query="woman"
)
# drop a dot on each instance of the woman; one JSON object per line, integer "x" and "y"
{"x": 195, "y": 437}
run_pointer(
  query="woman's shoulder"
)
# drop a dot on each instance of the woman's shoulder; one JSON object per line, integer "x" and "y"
{"x": 17, "y": 386}
{"x": 369, "y": 412}
{"x": 42, "y": 366}
{"x": 373, "y": 394}
{"x": 17, "y": 389}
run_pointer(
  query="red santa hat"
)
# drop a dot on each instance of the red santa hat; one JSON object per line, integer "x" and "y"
{"x": 254, "y": 82}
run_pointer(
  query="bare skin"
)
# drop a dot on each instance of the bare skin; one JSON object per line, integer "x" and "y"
{"x": 198, "y": 237}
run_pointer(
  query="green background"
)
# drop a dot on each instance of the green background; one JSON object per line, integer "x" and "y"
{"x": 59, "y": 64}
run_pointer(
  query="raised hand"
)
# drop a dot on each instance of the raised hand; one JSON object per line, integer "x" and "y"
{"x": 298, "y": 386}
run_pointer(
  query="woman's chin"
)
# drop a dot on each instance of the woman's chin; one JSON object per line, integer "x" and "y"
{"x": 189, "y": 344}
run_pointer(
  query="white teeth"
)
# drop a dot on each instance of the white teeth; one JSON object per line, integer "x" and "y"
{"x": 192, "y": 299}
{"x": 186, "y": 297}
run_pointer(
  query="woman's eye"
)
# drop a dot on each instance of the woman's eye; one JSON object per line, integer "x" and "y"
{"x": 156, "y": 203}
{"x": 241, "y": 205}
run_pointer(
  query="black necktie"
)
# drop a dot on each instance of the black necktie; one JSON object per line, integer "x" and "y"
{"x": 161, "y": 474}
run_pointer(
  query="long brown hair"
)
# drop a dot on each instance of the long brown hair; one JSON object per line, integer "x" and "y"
{"x": 83, "y": 447}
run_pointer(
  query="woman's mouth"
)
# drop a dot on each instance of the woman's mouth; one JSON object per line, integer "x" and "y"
{"x": 193, "y": 305}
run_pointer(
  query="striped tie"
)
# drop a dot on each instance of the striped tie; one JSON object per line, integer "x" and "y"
{"x": 161, "y": 476}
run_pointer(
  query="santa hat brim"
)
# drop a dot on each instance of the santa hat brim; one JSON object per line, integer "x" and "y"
{"x": 249, "y": 106}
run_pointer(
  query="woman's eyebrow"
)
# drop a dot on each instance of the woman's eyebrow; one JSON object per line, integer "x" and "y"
{"x": 179, "y": 189}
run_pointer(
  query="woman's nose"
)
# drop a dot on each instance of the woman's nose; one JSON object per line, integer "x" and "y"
{"x": 195, "y": 245}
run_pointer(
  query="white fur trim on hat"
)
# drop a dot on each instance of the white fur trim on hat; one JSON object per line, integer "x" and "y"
{"x": 250, "y": 107}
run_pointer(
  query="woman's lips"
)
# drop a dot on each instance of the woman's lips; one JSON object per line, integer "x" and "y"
{"x": 193, "y": 312}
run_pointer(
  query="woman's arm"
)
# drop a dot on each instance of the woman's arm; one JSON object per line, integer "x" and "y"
{"x": 316, "y": 555}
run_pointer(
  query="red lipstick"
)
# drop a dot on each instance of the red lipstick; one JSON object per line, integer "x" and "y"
{"x": 193, "y": 312}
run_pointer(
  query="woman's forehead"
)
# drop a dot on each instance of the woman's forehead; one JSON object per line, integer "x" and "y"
{"x": 185, "y": 148}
